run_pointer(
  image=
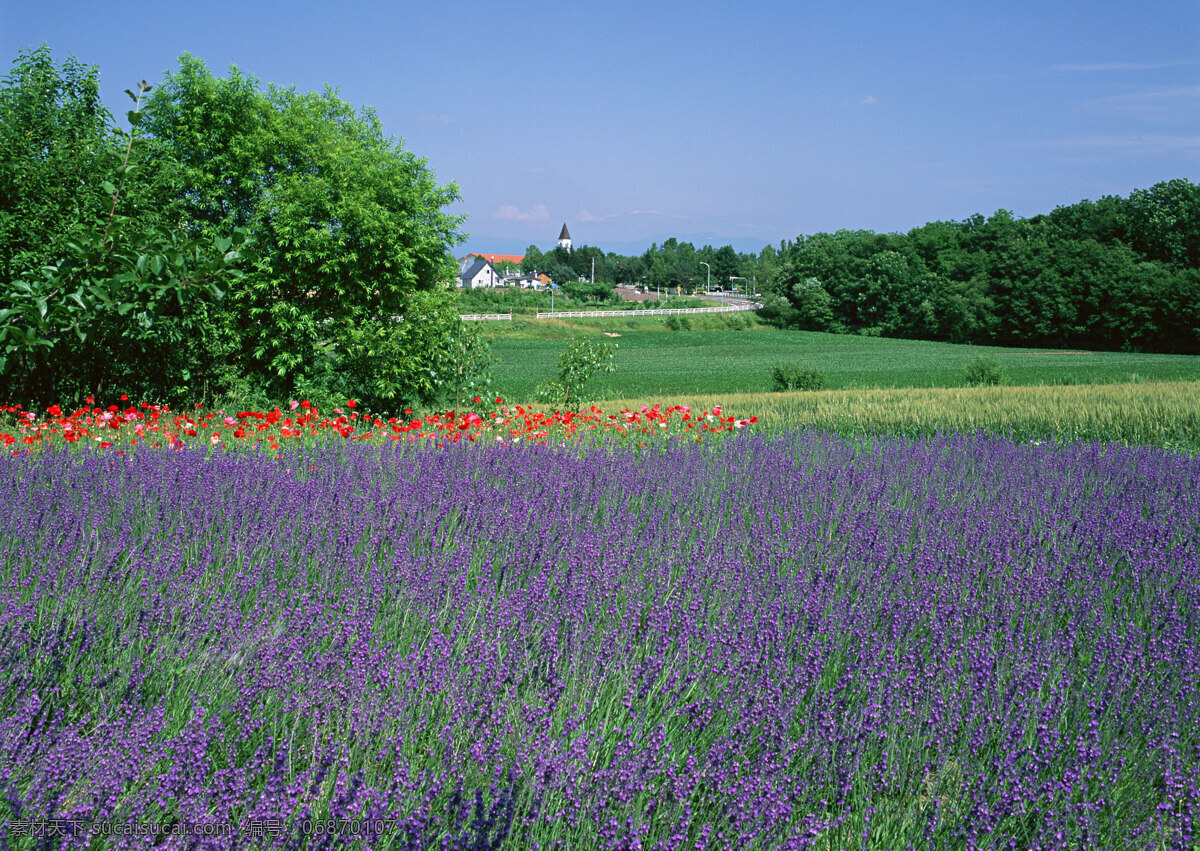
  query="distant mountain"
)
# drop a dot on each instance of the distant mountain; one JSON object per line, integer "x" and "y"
{"x": 502, "y": 245}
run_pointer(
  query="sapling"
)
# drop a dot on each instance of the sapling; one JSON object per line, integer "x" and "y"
{"x": 576, "y": 366}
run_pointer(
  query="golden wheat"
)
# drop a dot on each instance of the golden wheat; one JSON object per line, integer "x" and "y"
{"x": 1165, "y": 413}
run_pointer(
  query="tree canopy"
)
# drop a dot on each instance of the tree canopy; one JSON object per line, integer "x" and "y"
{"x": 349, "y": 268}
{"x": 1116, "y": 273}
{"x": 348, "y": 225}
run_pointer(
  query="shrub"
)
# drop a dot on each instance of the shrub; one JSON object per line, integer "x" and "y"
{"x": 678, "y": 323}
{"x": 983, "y": 371}
{"x": 576, "y": 366}
{"x": 794, "y": 376}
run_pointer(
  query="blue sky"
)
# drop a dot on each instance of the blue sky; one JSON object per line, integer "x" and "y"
{"x": 713, "y": 122}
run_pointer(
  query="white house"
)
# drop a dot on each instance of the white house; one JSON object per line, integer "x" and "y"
{"x": 525, "y": 282}
{"x": 479, "y": 273}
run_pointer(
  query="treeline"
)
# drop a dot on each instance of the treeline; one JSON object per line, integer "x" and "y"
{"x": 237, "y": 241}
{"x": 1118, "y": 273}
{"x": 672, "y": 264}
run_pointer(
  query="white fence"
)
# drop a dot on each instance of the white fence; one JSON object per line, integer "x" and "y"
{"x": 660, "y": 311}
{"x": 597, "y": 314}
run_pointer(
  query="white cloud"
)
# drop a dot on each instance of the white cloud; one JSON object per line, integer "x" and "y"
{"x": 869, "y": 100}
{"x": 1160, "y": 103}
{"x": 513, "y": 213}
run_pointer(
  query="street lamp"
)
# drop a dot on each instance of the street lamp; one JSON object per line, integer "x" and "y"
{"x": 708, "y": 283}
{"x": 733, "y": 278}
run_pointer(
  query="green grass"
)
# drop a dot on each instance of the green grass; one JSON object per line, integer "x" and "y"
{"x": 707, "y": 362}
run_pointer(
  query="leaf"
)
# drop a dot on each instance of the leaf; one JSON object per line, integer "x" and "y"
{"x": 107, "y": 186}
{"x": 124, "y": 308}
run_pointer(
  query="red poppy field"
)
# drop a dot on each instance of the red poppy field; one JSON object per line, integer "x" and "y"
{"x": 124, "y": 424}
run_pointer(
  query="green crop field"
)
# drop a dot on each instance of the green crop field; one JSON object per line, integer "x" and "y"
{"x": 651, "y": 363}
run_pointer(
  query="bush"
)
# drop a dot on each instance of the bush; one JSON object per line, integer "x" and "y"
{"x": 737, "y": 321}
{"x": 983, "y": 371}
{"x": 678, "y": 323}
{"x": 794, "y": 376}
{"x": 576, "y": 366}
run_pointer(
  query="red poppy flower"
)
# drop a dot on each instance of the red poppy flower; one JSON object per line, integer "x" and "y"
{"x": 54, "y": 411}
{"x": 352, "y": 404}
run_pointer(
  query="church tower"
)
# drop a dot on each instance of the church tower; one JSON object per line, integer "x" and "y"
{"x": 564, "y": 238}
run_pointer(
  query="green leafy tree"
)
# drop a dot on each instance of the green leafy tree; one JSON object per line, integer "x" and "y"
{"x": 778, "y": 311}
{"x": 725, "y": 264}
{"x": 562, "y": 273}
{"x": 386, "y": 365}
{"x": 121, "y": 297}
{"x": 470, "y": 362}
{"x": 764, "y": 267}
{"x": 56, "y": 145}
{"x": 813, "y": 306}
{"x": 584, "y": 291}
{"x": 349, "y": 227}
{"x": 1163, "y": 222}
{"x": 673, "y": 264}
{"x": 533, "y": 261}
{"x": 576, "y": 366}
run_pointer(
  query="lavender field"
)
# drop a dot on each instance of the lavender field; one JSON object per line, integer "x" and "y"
{"x": 783, "y": 641}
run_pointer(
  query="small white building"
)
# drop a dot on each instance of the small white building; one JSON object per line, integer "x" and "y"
{"x": 525, "y": 282}
{"x": 477, "y": 274}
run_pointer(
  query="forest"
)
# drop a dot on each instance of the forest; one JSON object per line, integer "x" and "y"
{"x": 1120, "y": 273}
